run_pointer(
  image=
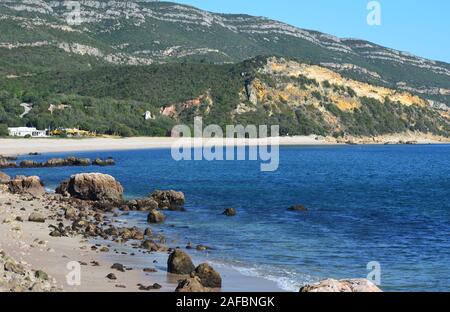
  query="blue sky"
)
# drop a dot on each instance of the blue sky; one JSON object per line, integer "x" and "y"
{"x": 421, "y": 27}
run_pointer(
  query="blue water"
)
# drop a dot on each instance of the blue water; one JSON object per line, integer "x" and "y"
{"x": 389, "y": 204}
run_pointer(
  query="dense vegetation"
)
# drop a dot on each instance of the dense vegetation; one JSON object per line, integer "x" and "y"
{"x": 113, "y": 99}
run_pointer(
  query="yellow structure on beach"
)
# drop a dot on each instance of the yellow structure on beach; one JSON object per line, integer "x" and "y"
{"x": 73, "y": 132}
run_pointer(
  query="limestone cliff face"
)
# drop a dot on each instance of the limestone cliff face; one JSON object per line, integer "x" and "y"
{"x": 200, "y": 105}
{"x": 319, "y": 95}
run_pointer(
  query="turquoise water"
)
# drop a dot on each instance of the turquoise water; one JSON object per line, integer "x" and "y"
{"x": 389, "y": 204}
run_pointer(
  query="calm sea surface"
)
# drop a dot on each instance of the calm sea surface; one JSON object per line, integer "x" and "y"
{"x": 389, "y": 204}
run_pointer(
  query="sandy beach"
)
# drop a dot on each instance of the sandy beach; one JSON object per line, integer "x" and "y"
{"x": 16, "y": 146}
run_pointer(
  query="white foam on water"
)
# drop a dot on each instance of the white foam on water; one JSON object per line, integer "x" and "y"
{"x": 285, "y": 280}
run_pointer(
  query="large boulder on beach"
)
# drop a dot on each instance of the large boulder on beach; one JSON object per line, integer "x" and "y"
{"x": 156, "y": 216}
{"x": 4, "y": 178}
{"x": 27, "y": 185}
{"x": 92, "y": 186}
{"x": 36, "y": 217}
{"x": 190, "y": 285}
{"x": 351, "y": 285}
{"x": 180, "y": 263}
{"x": 168, "y": 200}
{"x": 208, "y": 276}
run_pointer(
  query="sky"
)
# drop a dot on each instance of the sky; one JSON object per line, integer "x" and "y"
{"x": 421, "y": 27}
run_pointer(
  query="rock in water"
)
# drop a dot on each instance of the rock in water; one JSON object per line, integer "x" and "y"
{"x": 36, "y": 217}
{"x": 92, "y": 186}
{"x": 27, "y": 185}
{"x": 4, "y": 178}
{"x": 191, "y": 284}
{"x": 208, "y": 276}
{"x": 156, "y": 216}
{"x": 28, "y": 164}
{"x": 230, "y": 212}
{"x": 299, "y": 208}
{"x": 146, "y": 204}
{"x": 171, "y": 200}
{"x": 351, "y": 285}
{"x": 180, "y": 263}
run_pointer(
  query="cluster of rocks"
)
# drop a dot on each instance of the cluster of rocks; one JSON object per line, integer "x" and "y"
{"x": 16, "y": 277}
{"x": 65, "y": 162}
{"x": 202, "y": 278}
{"x": 88, "y": 197}
{"x": 7, "y": 162}
{"x": 85, "y": 198}
{"x": 26, "y": 185}
{"x": 351, "y": 285}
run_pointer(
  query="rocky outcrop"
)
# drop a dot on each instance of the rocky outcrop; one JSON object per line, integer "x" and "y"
{"x": 61, "y": 162}
{"x": 351, "y": 285}
{"x": 28, "y": 164}
{"x": 92, "y": 186}
{"x": 4, "y": 178}
{"x": 208, "y": 276}
{"x": 156, "y": 216}
{"x": 180, "y": 263}
{"x": 26, "y": 185}
{"x": 168, "y": 200}
{"x": 6, "y": 162}
{"x": 104, "y": 162}
{"x": 141, "y": 204}
{"x": 192, "y": 284}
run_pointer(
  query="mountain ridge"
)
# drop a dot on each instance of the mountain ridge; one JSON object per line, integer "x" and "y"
{"x": 45, "y": 61}
{"x": 145, "y": 32}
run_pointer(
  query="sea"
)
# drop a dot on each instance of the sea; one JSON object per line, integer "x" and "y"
{"x": 381, "y": 212}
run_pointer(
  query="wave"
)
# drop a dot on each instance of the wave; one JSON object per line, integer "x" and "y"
{"x": 285, "y": 279}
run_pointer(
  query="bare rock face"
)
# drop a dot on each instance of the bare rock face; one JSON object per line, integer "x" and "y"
{"x": 4, "y": 178}
{"x": 180, "y": 263}
{"x": 190, "y": 285}
{"x": 208, "y": 276}
{"x": 27, "y": 185}
{"x": 156, "y": 216}
{"x": 168, "y": 200}
{"x": 352, "y": 285}
{"x": 92, "y": 186}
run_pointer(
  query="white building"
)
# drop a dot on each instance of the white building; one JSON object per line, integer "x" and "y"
{"x": 148, "y": 115}
{"x": 24, "y": 131}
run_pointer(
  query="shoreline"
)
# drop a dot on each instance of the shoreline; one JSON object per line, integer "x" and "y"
{"x": 17, "y": 147}
{"x": 30, "y": 244}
